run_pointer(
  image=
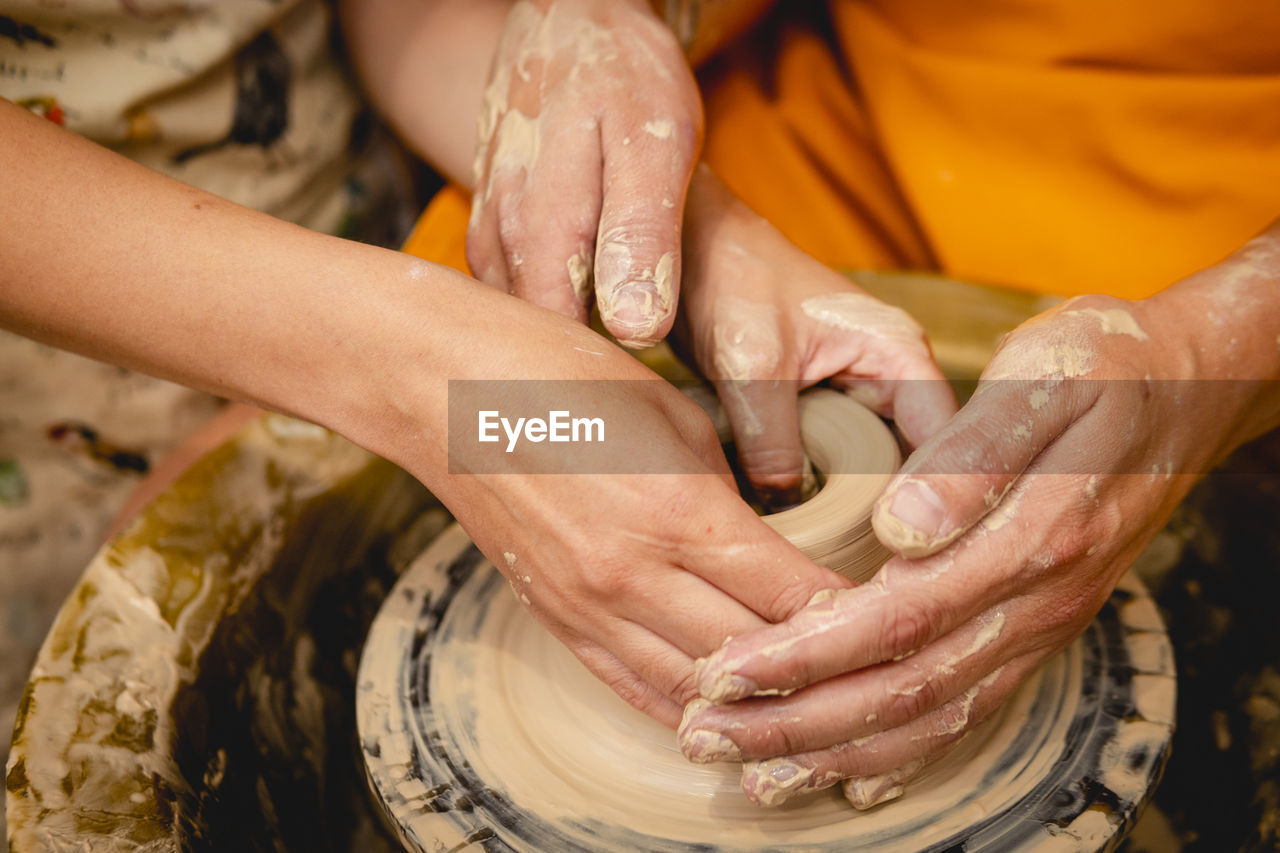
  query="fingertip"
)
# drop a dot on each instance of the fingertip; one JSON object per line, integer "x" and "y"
{"x": 702, "y": 745}
{"x": 639, "y": 311}
{"x": 766, "y": 429}
{"x": 776, "y": 474}
{"x": 775, "y": 780}
{"x": 910, "y": 518}
{"x": 719, "y": 686}
{"x": 637, "y": 264}
{"x": 778, "y": 498}
{"x": 865, "y": 792}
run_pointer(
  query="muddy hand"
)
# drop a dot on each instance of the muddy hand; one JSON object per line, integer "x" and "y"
{"x": 1012, "y": 526}
{"x": 590, "y": 129}
{"x": 639, "y": 562}
{"x": 763, "y": 320}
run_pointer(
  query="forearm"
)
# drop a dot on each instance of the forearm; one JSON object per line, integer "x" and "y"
{"x": 1232, "y": 311}
{"x": 104, "y": 257}
{"x": 424, "y": 65}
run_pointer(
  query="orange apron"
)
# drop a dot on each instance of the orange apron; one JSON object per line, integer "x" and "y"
{"x": 1060, "y": 146}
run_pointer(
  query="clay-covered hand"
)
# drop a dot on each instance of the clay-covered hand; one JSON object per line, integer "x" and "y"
{"x": 636, "y": 552}
{"x": 764, "y": 320}
{"x": 589, "y": 132}
{"x": 1012, "y": 526}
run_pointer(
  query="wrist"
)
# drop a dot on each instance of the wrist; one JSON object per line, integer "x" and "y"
{"x": 387, "y": 355}
{"x": 1228, "y": 317}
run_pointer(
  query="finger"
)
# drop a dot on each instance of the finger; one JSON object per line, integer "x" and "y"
{"x": 647, "y": 673}
{"x": 749, "y": 357}
{"x": 923, "y": 404}
{"x": 864, "y": 792}
{"x": 776, "y": 780}
{"x": 662, "y": 703}
{"x": 484, "y": 248}
{"x": 682, "y": 609}
{"x": 548, "y": 235}
{"x": 484, "y": 251}
{"x": 906, "y": 607}
{"x": 882, "y": 357}
{"x": 753, "y": 564}
{"x": 854, "y": 704}
{"x": 766, "y": 429}
{"x": 953, "y": 480}
{"x": 854, "y": 628}
{"x": 911, "y": 603}
{"x": 647, "y": 165}
{"x": 917, "y": 397}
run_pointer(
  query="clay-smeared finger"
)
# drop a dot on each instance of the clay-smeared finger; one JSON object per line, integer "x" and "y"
{"x": 864, "y": 792}
{"x": 485, "y": 255}
{"x": 766, "y": 430}
{"x": 647, "y": 165}
{"x": 855, "y": 628}
{"x": 1038, "y": 548}
{"x": 923, "y": 404}
{"x": 851, "y": 705}
{"x": 881, "y": 356}
{"x": 484, "y": 247}
{"x": 963, "y": 472}
{"x": 776, "y": 780}
{"x": 749, "y": 355}
{"x": 548, "y": 232}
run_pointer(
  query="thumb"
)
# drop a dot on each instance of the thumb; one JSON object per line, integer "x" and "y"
{"x": 958, "y": 477}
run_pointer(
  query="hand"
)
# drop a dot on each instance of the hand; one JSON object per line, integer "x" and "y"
{"x": 590, "y": 129}
{"x": 1013, "y": 525}
{"x": 637, "y": 573}
{"x": 764, "y": 320}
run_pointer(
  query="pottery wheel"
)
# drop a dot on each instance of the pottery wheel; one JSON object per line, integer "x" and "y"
{"x": 477, "y": 728}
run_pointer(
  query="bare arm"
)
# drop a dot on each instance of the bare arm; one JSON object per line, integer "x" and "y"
{"x": 104, "y": 257}
{"x": 424, "y": 66}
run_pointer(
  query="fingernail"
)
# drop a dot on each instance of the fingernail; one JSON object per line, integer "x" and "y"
{"x": 918, "y": 506}
{"x": 633, "y": 312}
{"x": 774, "y": 780}
{"x": 913, "y": 521}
